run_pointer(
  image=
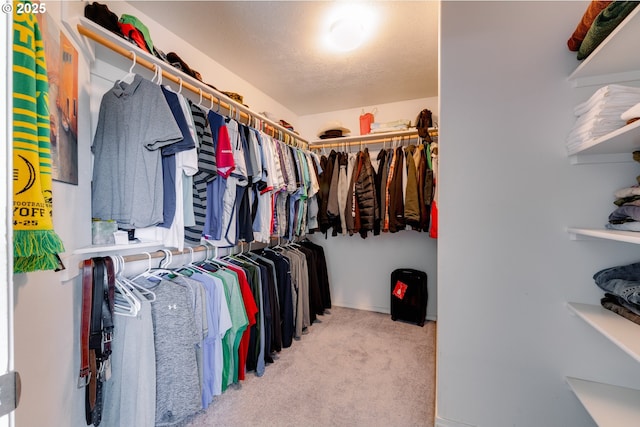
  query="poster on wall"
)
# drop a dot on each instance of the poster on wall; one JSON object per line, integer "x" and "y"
{"x": 62, "y": 71}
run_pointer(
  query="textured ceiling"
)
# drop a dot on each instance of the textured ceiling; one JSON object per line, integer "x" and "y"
{"x": 275, "y": 46}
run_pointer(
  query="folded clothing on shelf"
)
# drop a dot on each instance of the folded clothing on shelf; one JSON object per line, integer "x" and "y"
{"x": 393, "y": 126}
{"x": 620, "y": 307}
{"x": 601, "y": 114}
{"x": 603, "y": 24}
{"x": 101, "y": 15}
{"x": 626, "y": 217}
{"x": 623, "y": 282}
{"x": 593, "y": 10}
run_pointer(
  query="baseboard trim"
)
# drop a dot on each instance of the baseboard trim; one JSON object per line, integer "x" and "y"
{"x": 443, "y": 422}
{"x": 384, "y": 310}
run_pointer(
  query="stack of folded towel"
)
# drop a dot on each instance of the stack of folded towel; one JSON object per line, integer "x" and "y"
{"x": 601, "y": 114}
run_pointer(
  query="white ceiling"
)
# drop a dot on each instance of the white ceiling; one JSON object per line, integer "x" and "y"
{"x": 275, "y": 46}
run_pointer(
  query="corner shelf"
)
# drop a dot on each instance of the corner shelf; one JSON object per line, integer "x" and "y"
{"x": 608, "y": 405}
{"x": 617, "y": 235}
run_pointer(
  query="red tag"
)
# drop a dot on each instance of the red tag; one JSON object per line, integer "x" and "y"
{"x": 400, "y": 290}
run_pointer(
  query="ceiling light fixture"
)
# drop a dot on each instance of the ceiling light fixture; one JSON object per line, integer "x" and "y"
{"x": 348, "y": 27}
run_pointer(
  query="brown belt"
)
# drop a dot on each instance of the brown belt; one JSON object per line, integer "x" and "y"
{"x": 87, "y": 290}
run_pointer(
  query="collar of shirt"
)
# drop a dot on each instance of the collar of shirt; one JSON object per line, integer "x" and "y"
{"x": 121, "y": 88}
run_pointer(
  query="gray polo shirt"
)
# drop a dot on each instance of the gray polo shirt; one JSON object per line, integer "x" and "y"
{"x": 134, "y": 122}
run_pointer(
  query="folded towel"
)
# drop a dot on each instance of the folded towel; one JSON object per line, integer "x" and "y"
{"x": 594, "y": 8}
{"x": 606, "y": 21}
{"x": 631, "y": 113}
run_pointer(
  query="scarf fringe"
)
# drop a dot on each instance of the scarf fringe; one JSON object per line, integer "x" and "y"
{"x": 35, "y": 250}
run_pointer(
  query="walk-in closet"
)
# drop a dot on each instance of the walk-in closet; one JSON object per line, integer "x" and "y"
{"x": 224, "y": 204}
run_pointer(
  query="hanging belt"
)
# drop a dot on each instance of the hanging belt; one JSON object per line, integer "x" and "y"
{"x": 87, "y": 289}
{"x": 98, "y": 289}
{"x": 95, "y": 338}
{"x": 103, "y": 365}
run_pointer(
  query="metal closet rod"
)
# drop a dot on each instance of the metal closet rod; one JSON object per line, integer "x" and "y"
{"x": 242, "y": 110}
{"x": 240, "y": 247}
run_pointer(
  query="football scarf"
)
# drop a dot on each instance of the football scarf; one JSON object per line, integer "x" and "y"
{"x": 35, "y": 244}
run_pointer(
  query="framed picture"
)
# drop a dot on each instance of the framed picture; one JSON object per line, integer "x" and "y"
{"x": 62, "y": 71}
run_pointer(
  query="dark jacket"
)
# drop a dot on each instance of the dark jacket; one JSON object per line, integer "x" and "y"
{"x": 366, "y": 194}
{"x": 323, "y": 195}
{"x": 380, "y": 190}
{"x": 396, "y": 205}
{"x": 424, "y": 204}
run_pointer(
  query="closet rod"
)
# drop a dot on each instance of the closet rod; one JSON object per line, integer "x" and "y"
{"x": 364, "y": 142}
{"x": 206, "y": 93}
{"x": 240, "y": 247}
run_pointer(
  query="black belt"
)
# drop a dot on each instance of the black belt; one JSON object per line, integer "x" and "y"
{"x": 100, "y": 335}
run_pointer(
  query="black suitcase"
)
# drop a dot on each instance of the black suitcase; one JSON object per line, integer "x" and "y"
{"x": 409, "y": 295}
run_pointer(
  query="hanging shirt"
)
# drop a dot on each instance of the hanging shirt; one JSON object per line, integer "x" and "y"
{"x": 207, "y": 172}
{"x": 134, "y": 122}
{"x": 186, "y": 164}
{"x": 190, "y": 160}
{"x": 219, "y": 324}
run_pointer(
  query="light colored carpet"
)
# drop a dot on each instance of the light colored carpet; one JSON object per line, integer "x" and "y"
{"x": 356, "y": 368}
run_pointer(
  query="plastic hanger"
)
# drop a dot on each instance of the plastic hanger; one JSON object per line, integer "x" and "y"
{"x": 192, "y": 266}
{"x": 153, "y": 273}
{"x": 199, "y": 104}
{"x": 155, "y": 73}
{"x": 125, "y": 303}
{"x": 180, "y": 88}
{"x": 150, "y": 295}
{"x": 130, "y": 73}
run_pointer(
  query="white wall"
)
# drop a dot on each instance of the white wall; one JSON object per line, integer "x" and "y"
{"x": 507, "y": 191}
{"x": 359, "y": 269}
{"x": 310, "y": 125}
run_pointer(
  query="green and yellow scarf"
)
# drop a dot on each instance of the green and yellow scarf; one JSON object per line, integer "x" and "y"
{"x": 35, "y": 244}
